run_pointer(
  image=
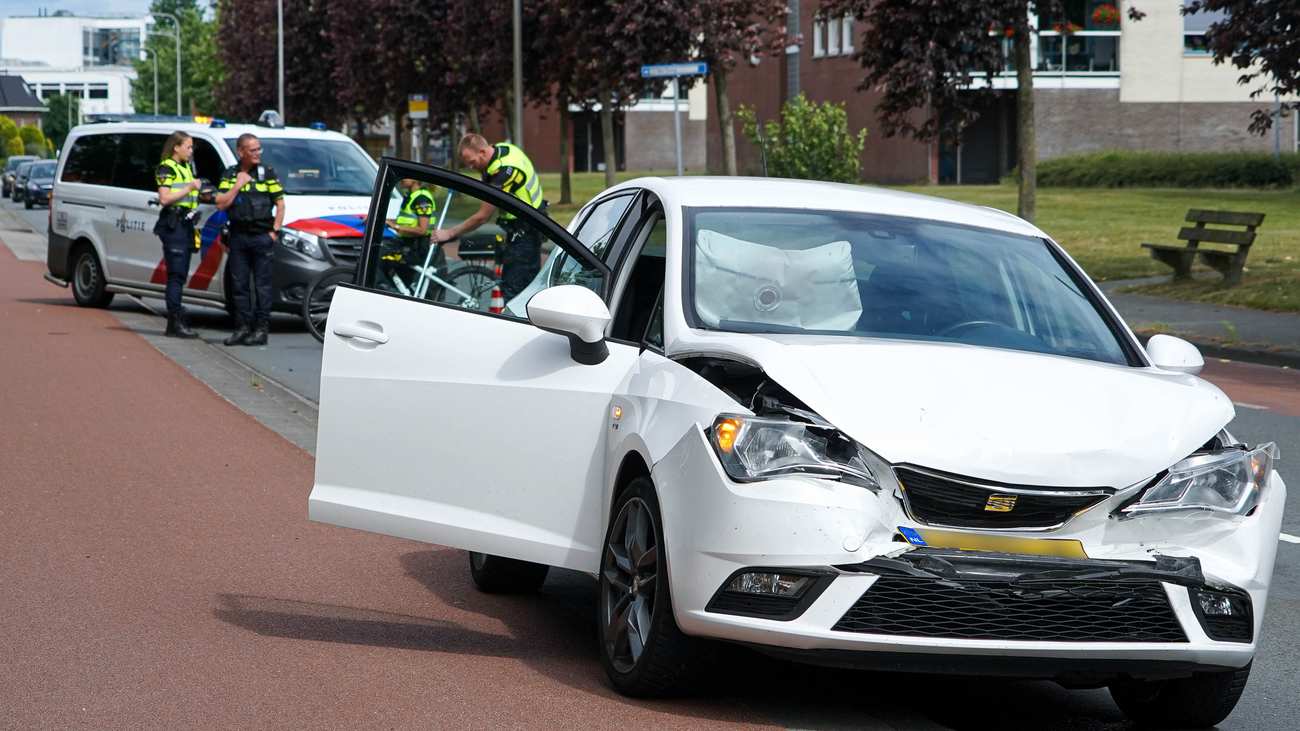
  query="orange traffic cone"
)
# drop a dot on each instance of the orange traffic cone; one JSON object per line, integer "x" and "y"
{"x": 498, "y": 303}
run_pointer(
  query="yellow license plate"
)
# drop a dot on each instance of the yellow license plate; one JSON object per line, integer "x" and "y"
{"x": 1059, "y": 547}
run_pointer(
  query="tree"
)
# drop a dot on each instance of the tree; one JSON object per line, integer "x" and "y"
{"x": 8, "y": 128}
{"x": 33, "y": 140}
{"x": 63, "y": 110}
{"x": 811, "y": 141}
{"x": 1262, "y": 38}
{"x": 247, "y": 49}
{"x": 201, "y": 69}
{"x": 615, "y": 38}
{"x": 728, "y": 30}
{"x": 937, "y": 75}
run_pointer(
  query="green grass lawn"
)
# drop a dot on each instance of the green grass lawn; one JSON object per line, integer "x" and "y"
{"x": 1103, "y": 229}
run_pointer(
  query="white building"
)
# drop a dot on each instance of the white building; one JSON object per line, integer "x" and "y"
{"x": 65, "y": 54}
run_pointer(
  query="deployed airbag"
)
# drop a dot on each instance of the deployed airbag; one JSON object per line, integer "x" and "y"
{"x": 812, "y": 289}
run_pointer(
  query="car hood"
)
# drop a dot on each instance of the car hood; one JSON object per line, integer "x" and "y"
{"x": 316, "y": 206}
{"x": 994, "y": 414}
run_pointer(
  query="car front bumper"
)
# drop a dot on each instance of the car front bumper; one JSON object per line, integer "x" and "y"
{"x": 715, "y": 527}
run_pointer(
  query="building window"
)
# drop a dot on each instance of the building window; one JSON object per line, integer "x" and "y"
{"x": 833, "y": 36}
{"x": 97, "y": 91}
{"x": 46, "y": 91}
{"x": 1194, "y": 27}
{"x": 110, "y": 46}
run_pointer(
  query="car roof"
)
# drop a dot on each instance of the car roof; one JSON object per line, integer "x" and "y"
{"x": 742, "y": 192}
{"x": 230, "y": 131}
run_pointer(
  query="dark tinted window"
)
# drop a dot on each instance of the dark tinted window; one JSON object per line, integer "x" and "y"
{"x": 138, "y": 157}
{"x": 91, "y": 160}
{"x": 207, "y": 163}
{"x": 309, "y": 166}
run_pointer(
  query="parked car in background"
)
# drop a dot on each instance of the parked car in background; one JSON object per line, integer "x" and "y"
{"x": 40, "y": 181}
{"x": 10, "y": 170}
{"x": 20, "y": 179}
{"x": 105, "y": 203}
{"x": 837, "y": 424}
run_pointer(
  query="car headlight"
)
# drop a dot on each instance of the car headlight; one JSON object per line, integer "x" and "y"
{"x": 302, "y": 241}
{"x": 1227, "y": 481}
{"x": 756, "y": 448}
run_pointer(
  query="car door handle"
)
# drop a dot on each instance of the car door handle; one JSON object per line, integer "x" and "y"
{"x": 361, "y": 331}
{"x": 155, "y": 202}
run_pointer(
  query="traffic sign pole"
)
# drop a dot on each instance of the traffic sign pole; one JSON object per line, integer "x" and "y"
{"x": 677, "y": 123}
{"x": 675, "y": 71}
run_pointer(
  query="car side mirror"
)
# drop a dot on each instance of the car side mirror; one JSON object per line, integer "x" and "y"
{"x": 1174, "y": 354}
{"x": 577, "y": 313}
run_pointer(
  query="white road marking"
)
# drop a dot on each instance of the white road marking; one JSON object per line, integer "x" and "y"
{"x": 1245, "y": 405}
{"x": 1288, "y": 538}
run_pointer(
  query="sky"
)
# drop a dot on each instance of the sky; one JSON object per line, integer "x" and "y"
{"x": 80, "y": 7}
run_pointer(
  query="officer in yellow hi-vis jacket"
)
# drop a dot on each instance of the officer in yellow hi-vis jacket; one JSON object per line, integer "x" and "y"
{"x": 252, "y": 196}
{"x": 178, "y": 194}
{"x": 413, "y": 227}
{"x": 504, "y": 166}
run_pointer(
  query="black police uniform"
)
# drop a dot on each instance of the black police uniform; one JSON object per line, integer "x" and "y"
{"x": 252, "y": 217}
{"x": 175, "y": 227}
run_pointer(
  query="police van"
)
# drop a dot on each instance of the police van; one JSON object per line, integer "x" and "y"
{"x": 105, "y": 202}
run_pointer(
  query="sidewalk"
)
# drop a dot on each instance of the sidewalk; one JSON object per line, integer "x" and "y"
{"x": 1272, "y": 338}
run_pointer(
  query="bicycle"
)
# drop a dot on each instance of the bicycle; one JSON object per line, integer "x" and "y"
{"x": 468, "y": 286}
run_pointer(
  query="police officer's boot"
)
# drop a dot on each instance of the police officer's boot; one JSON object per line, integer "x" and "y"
{"x": 177, "y": 327}
{"x": 259, "y": 336}
{"x": 239, "y": 336}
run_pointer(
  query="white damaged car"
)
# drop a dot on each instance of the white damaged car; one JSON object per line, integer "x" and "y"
{"x": 836, "y": 424}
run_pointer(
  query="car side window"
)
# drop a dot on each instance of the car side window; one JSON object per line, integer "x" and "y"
{"x": 644, "y": 280}
{"x": 138, "y": 156}
{"x": 598, "y": 228}
{"x": 90, "y": 160}
{"x": 401, "y": 259}
{"x": 654, "y": 332}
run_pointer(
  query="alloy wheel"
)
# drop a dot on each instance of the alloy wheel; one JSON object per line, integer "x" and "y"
{"x": 630, "y": 572}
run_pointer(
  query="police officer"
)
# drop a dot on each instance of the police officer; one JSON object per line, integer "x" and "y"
{"x": 178, "y": 194}
{"x": 412, "y": 227}
{"x": 252, "y": 196}
{"x": 504, "y": 166}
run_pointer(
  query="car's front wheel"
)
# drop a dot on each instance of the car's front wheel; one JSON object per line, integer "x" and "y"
{"x": 642, "y": 650}
{"x": 1200, "y": 701}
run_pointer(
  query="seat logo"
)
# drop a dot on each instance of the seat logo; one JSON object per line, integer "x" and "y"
{"x": 1000, "y": 503}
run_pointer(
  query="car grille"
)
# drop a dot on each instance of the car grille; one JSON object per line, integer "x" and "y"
{"x": 345, "y": 250}
{"x": 1045, "y": 611}
{"x": 961, "y": 503}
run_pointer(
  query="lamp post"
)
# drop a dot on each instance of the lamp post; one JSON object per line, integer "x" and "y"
{"x": 177, "y": 23}
{"x": 518, "y": 21}
{"x": 154, "y": 55}
{"x": 279, "y": 38}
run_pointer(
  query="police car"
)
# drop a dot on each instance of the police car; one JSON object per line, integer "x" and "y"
{"x": 105, "y": 202}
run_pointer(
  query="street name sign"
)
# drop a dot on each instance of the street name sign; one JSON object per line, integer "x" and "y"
{"x": 670, "y": 70}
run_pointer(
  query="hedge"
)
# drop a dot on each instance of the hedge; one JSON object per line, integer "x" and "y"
{"x": 1121, "y": 169}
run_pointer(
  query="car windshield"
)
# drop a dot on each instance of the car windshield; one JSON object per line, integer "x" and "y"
{"x": 318, "y": 167}
{"x": 24, "y": 169}
{"x": 42, "y": 171}
{"x": 833, "y": 273}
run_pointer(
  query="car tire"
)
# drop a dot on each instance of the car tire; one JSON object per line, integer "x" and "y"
{"x": 320, "y": 293}
{"x": 1201, "y": 701}
{"x": 88, "y": 283}
{"x": 28, "y": 204}
{"x": 667, "y": 660}
{"x": 500, "y": 575}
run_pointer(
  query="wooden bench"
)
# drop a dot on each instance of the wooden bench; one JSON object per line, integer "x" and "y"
{"x": 1229, "y": 262}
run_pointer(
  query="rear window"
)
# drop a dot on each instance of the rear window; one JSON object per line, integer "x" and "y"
{"x": 42, "y": 170}
{"x": 91, "y": 160}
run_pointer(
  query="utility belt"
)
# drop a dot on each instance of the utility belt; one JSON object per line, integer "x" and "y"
{"x": 250, "y": 227}
{"x": 171, "y": 217}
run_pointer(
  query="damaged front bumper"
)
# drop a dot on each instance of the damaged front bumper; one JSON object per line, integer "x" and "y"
{"x": 1156, "y": 596}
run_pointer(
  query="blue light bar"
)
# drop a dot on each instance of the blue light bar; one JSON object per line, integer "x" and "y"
{"x": 218, "y": 123}
{"x": 319, "y": 125}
